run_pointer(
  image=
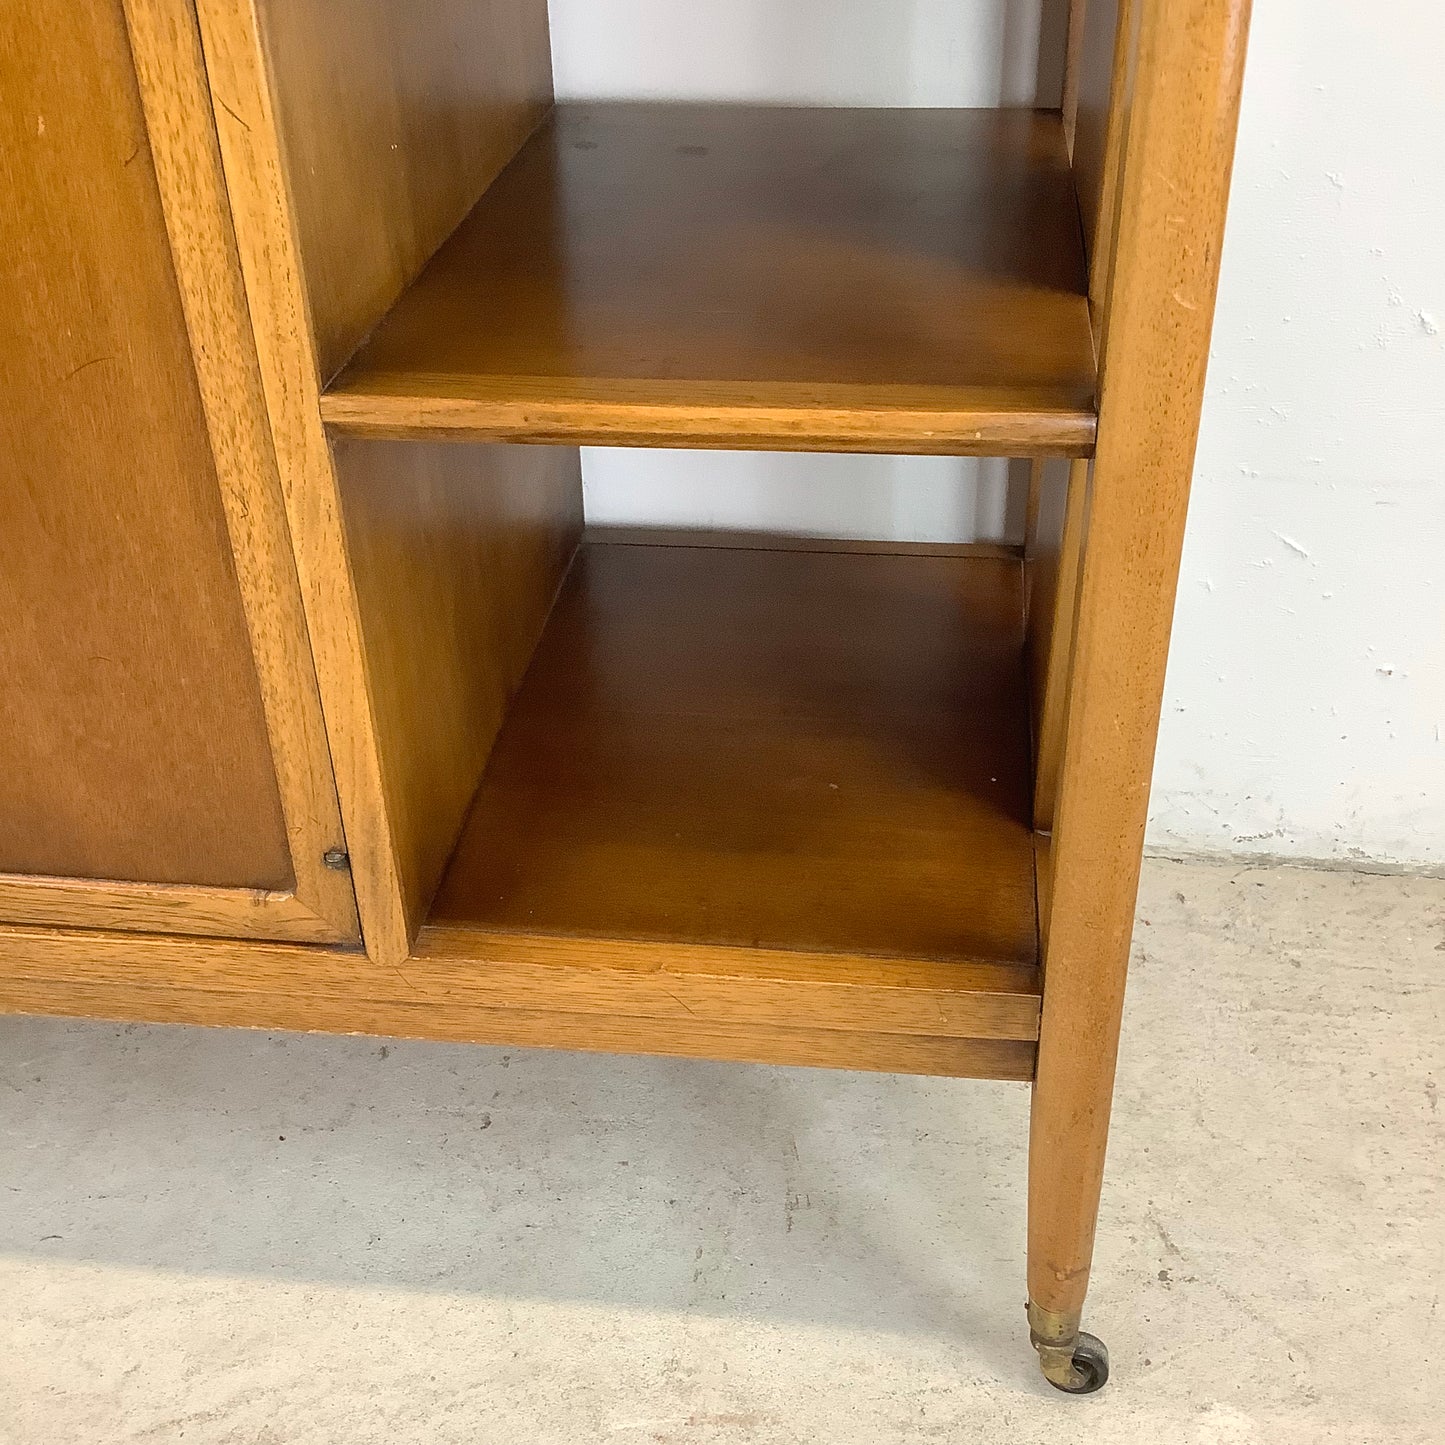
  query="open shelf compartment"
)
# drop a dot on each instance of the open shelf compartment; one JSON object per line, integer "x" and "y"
{"x": 744, "y": 786}
{"x": 752, "y": 277}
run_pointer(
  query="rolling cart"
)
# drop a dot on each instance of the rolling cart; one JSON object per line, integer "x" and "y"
{"x": 325, "y": 711}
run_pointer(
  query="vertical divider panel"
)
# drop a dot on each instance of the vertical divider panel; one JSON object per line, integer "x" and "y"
{"x": 165, "y": 46}
{"x": 1102, "y": 45}
{"x": 356, "y": 134}
{"x": 1053, "y": 552}
{"x": 1073, "y": 45}
{"x": 457, "y": 552}
{"x": 1098, "y": 87}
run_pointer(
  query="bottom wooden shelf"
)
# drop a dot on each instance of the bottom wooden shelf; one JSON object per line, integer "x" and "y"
{"x": 764, "y": 791}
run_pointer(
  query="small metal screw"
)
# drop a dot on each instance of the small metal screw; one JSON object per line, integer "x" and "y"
{"x": 337, "y": 858}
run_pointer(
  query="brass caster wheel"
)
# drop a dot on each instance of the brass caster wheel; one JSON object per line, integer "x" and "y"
{"x": 1072, "y": 1361}
{"x": 1081, "y": 1372}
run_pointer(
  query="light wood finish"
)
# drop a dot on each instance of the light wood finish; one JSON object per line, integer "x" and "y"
{"x": 1172, "y": 202}
{"x": 1054, "y": 549}
{"x": 1102, "y": 82}
{"x": 752, "y": 277}
{"x": 165, "y": 43}
{"x": 131, "y": 715}
{"x": 257, "y": 183}
{"x": 335, "y": 202}
{"x": 172, "y": 907}
{"x": 765, "y": 801}
{"x": 460, "y": 973}
{"x": 158, "y": 979}
{"x": 457, "y": 553}
{"x": 789, "y": 750}
{"x": 393, "y": 119}
{"x": 754, "y": 986}
{"x": 141, "y": 780}
{"x": 1069, "y": 101}
{"x": 1044, "y": 890}
{"x": 790, "y": 542}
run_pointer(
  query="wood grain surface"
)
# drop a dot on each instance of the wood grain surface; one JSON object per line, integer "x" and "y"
{"x": 457, "y": 553}
{"x": 159, "y": 979}
{"x": 1159, "y": 309}
{"x": 740, "y": 276}
{"x": 131, "y": 724}
{"x": 605, "y": 533}
{"x": 273, "y": 1009}
{"x": 791, "y": 750}
{"x": 753, "y": 986}
{"x": 1058, "y": 513}
{"x": 354, "y": 137}
{"x": 166, "y": 46}
{"x": 1103, "y": 85}
{"x": 394, "y": 118}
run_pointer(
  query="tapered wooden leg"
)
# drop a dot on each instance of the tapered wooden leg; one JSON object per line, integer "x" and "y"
{"x": 1068, "y": 1134}
{"x": 1172, "y": 160}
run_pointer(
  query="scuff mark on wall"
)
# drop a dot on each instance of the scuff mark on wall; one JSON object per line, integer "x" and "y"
{"x": 1292, "y": 544}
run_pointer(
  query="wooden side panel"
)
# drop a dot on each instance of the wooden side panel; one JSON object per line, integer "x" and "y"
{"x": 1058, "y": 509}
{"x": 1100, "y": 70}
{"x": 1043, "y": 542}
{"x": 394, "y": 118}
{"x": 131, "y": 724}
{"x": 1160, "y": 307}
{"x": 457, "y": 553}
{"x": 355, "y": 135}
{"x": 166, "y": 47}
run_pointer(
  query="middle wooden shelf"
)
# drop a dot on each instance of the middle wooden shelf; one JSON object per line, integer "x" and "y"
{"x": 752, "y": 277}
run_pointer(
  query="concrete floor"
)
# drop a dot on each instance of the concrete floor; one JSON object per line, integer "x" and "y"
{"x": 228, "y": 1237}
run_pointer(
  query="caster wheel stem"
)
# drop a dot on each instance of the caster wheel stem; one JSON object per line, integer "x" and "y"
{"x": 1072, "y": 1361}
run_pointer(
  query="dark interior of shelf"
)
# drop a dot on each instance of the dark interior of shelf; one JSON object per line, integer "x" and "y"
{"x": 777, "y": 749}
{"x": 767, "y": 277}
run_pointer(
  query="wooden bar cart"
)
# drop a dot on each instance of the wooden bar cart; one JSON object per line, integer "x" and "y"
{"x": 322, "y": 709}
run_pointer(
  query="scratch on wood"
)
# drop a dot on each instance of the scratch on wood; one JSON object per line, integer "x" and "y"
{"x": 233, "y": 115}
{"x": 84, "y": 366}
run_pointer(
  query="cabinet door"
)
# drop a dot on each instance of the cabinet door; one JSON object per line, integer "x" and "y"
{"x": 163, "y": 763}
